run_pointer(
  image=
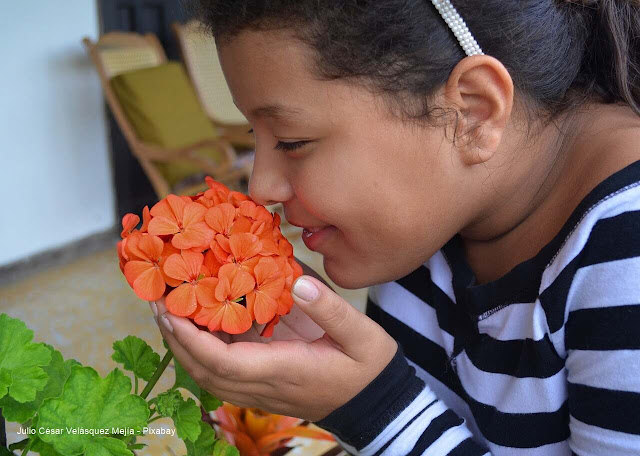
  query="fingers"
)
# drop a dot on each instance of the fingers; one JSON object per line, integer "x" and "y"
{"x": 353, "y": 331}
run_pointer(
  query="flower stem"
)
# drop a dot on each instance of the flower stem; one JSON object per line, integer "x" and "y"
{"x": 26, "y": 449}
{"x": 156, "y": 418}
{"x": 136, "y": 383}
{"x": 156, "y": 375}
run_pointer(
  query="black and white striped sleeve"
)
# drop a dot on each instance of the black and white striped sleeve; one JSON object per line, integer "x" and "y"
{"x": 602, "y": 338}
{"x": 398, "y": 415}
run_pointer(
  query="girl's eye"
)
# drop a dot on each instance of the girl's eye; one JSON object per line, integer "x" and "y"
{"x": 287, "y": 146}
{"x": 290, "y": 146}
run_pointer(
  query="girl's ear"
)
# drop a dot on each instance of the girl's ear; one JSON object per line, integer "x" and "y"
{"x": 481, "y": 89}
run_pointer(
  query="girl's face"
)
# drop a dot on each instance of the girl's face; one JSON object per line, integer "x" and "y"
{"x": 392, "y": 191}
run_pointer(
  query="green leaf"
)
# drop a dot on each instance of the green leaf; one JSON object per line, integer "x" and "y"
{"x": 92, "y": 403}
{"x": 136, "y": 356}
{"x": 57, "y": 371}
{"x": 204, "y": 445}
{"x": 224, "y": 448}
{"x": 45, "y": 449}
{"x": 187, "y": 420}
{"x": 106, "y": 446}
{"x": 183, "y": 380}
{"x": 137, "y": 446}
{"x": 21, "y": 374}
{"x": 5, "y": 452}
{"x": 168, "y": 403}
{"x": 19, "y": 445}
{"x": 209, "y": 401}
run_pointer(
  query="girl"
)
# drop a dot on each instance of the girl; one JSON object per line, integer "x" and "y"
{"x": 477, "y": 165}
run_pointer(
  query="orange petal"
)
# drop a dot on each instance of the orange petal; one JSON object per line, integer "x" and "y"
{"x": 264, "y": 307}
{"x": 162, "y": 209}
{"x": 150, "y": 284}
{"x": 215, "y": 185}
{"x": 222, "y": 256}
{"x": 146, "y": 218}
{"x": 286, "y": 249}
{"x": 176, "y": 268}
{"x": 167, "y": 251}
{"x": 241, "y": 225}
{"x": 197, "y": 234}
{"x": 223, "y": 288}
{"x": 266, "y": 443}
{"x": 267, "y": 331}
{"x": 131, "y": 249}
{"x": 212, "y": 263}
{"x": 152, "y": 246}
{"x": 129, "y": 222}
{"x": 193, "y": 213}
{"x": 223, "y": 241}
{"x": 220, "y": 218}
{"x": 177, "y": 205}
{"x": 245, "y": 445}
{"x": 159, "y": 226}
{"x": 265, "y": 269}
{"x": 242, "y": 283}
{"x": 297, "y": 269}
{"x": 206, "y": 291}
{"x": 236, "y": 319}
{"x": 236, "y": 198}
{"x": 258, "y": 424}
{"x": 244, "y": 245}
{"x": 285, "y": 303}
{"x": 182, "y": 301}
{"x": 133, "y": 269}
{"x": 210, "y": 317}
{"x": 121, "y": 258}
{"x": 193, "y": 261}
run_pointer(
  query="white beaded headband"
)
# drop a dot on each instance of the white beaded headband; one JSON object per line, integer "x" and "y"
{"x": 457, "y": 26}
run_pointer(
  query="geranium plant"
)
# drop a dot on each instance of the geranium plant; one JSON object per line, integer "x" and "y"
{"x": 221, "y": 260}
{"x": 66, "y": 408}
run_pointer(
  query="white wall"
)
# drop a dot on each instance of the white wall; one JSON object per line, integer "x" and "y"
{"x": 55, "y": 172}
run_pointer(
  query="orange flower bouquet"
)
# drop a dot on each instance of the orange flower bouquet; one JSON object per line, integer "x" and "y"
{"x": 220, "y": 259}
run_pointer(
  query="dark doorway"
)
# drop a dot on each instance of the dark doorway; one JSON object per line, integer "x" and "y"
{"x": 133, "y": 189}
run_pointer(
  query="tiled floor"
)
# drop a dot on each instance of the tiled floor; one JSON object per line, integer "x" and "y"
{"x": 83, "y": 307}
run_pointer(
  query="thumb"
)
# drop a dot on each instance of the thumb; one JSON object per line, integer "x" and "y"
{"x": 348, "y": 327}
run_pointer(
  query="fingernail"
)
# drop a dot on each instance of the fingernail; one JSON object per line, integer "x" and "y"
{"x": 154, "y": 308}
{"x": 167, "y": 324}
{"x": 305, "y": 290}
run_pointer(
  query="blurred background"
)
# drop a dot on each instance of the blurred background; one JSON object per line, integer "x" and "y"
{"x": 108, "y": 106}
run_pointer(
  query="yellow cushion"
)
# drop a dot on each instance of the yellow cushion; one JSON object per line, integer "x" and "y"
{"x": 164, "y": 110}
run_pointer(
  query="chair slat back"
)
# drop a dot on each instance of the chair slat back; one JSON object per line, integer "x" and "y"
{"x": 201, "y": 59}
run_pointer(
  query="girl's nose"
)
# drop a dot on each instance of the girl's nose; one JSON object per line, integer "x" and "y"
{"x": 268, "y": 183}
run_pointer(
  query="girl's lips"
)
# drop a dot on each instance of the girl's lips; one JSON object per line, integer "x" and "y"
{"x": 313, "y": 239}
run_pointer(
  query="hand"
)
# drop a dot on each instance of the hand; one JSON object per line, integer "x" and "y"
{"x": 299, "y": 378}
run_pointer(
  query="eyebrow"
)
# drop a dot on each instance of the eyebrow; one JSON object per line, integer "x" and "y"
{"x": 276, "y": 111}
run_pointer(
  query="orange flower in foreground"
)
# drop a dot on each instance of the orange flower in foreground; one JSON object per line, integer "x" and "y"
{"x": 143, "y": 273}
{"x": 257, "y": 433}
{"x": 184, "y": 219}
{"x": 224, "y": 312}
{"x": 198, "y": 287}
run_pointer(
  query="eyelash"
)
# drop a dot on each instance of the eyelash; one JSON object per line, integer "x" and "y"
{"x": 287, "y": 146}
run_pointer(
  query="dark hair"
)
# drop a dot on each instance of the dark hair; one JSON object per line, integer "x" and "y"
{"x": 559, "y": 53}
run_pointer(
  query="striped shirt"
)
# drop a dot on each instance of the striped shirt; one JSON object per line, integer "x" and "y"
{"x": 544, "y": 361}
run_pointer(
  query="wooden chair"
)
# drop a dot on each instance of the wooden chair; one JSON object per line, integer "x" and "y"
{"x": 119, "y": 52}
{"x": 200, "y": 57}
